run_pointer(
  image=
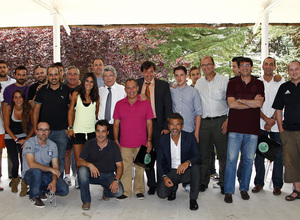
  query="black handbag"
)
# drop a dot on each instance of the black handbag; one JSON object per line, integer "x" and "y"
{"x": 145, "y": 160}
{"x": 267, "y": 147}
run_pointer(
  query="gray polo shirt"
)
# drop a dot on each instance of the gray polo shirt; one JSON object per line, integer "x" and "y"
{"x": 42, "y": 155}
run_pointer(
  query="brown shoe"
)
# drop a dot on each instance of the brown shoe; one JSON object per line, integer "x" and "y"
{"x": 245, "y": 195}
{"x": 23, "y": 188}
{"x": 276, "y": 191}
{"x": 257, "y": 189}
{"x": 86, "y": 206}
{"x": 228, "y": 198}
{"x": 14, "y": 184}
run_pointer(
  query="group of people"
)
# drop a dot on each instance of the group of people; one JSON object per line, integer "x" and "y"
{"x": 106, "y": 124}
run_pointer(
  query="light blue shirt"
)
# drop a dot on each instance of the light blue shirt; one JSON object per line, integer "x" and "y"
{"x": 100, "y": 81}
{"x": 187, "y": 102}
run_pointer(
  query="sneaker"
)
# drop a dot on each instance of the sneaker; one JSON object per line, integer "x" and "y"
{"x": 216, "y": 185}
{"x": 187, "y": 187}
{"x": 140, "y": 196}
{"x": 37, "y": 202}
{"x": 122, "y": 197}
{"x": 68, "y": 180}
{"x": 215, "y": 177}
{"x": 43, "y": 196}
{"x": 76, "y": 183}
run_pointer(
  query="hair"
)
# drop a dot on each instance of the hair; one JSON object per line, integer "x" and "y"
{"x": 98, "y": 58}
{"x": 25, "y": 110}
{"x": 94, "y": 92}
{"x": 102, "y": 122}
{"x": 20, "y": 68}
{"x": 180, "y": 68}
{"x": 236, "y": 59}
{"x": 42, "y": 122}
{"x": 270, "y": 58}
{"x": 130, "y": 79}
{"x": 72, "y": 67}
{"x": 245, "y": 59}
{"x": 109, "y": 68}
{"x": 294, "y": 61}
{"x": 194, "y": 68}
{"x": 4, "y": 62}
{"x": 53, "y": 66}
{"x": 212, "y": 59}
{"x": 175, "y": 116}
{"x": 146, "y": 65}
{"x": 58, "y": 64}
{"x": 38, "y": 66}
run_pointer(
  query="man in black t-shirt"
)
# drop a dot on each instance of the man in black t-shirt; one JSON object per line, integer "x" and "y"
{"x": 100, "y": 163}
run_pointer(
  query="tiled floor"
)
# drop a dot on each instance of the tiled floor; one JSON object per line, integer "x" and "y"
{"x": 211, "y": 206}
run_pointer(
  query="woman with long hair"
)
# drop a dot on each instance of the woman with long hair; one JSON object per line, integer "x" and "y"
{"x": 82, "y": 115}
{"x": 17, "y": 128}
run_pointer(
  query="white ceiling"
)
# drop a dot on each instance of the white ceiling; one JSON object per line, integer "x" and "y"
{"x": 26, "y": 13}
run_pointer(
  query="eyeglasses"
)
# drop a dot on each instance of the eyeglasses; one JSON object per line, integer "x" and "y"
{"x": 208, "y": 64}
{"x": 43, "y": 130}
{"x": 245, "y": 65}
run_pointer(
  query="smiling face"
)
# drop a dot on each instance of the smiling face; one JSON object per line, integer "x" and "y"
{"x": 98, "y": 66}
{"x": 18, "y": 99}
{"x": 149, "y": 74}
{"x": 268, "y": 66}
{"x": 89, "y": 83}
{"x": 109, "y": 78}
{"x": 53, "y": 75}
{"x": 175, "y": 127}
{"x": 101, "y": 134}
{"x": 131, "y": 89}
{"x": 72, "y": 77}
{"x": 40, "y": 75}
{"x": 294, "y": 72}
{"x": 245, "y": 69}
{"x": 195, "y": 75}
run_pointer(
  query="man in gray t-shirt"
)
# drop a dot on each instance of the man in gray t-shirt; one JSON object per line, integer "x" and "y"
{"x": 38, "y": 152}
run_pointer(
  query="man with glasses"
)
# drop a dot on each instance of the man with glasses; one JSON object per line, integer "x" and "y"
{"x": 38, "y": 153}
{"x": 245, "y": 96}
{"x": 212, "y": 89}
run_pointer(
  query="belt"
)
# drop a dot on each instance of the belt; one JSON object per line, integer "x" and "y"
{"x": 212, "y": 118}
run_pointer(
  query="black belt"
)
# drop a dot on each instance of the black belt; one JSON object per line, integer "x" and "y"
{"x": 212, "y": 118}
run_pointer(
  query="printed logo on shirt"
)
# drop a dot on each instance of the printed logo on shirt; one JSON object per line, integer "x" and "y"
{"x": 287, "y": 92}
{"x": 50, "y": 153}
{"x": 28, "y": 148}
{"x": 62, "y": 97}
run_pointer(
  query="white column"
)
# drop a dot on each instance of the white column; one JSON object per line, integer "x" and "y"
{"x": 56, "y": 38}
{"x": 265, "y": 35}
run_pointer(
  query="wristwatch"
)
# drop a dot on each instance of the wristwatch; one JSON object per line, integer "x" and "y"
{"x": 117, "y": 180}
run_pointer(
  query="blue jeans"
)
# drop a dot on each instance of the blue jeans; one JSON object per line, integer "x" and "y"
{"x": 60, "y": 138}
{"x": 39, "y": 181}
{"x": 248, "y": 142}
{"x": 105, "y": 179}
{"x": 277, "y": 175}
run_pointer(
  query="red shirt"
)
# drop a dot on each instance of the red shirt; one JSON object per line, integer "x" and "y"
{"x": 133, "y": 122}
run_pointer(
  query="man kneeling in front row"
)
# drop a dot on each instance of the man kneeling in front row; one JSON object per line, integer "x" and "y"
{"x": 38, "y": 152}
{"x": 97, "y": 161}
{"x": 178, "y": 161}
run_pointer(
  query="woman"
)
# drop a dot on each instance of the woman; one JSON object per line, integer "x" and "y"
{"x": 17, "y": 126}
{"x": 82, "y": 115}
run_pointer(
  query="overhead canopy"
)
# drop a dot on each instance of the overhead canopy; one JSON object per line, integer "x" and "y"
{"x": 30, "y": 13}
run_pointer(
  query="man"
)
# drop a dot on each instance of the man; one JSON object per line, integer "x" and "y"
{"x": 178, "y": 159}
{"x": 95, "y": 171}
{"x": 157, "y": 92}
{"x": 288, "y": 97}
{"x": 51, "y": 105}
{"x": 133, "y": 120}
{"x": 110, "y": 93}
{"x": 194, "y": 75}
{"x": 245, "y": 96}
{"x": 98, "y": 66}
{"x": 72, "y": 77}
{"x": 235, "y": 69}
{"x": 40, "y": 75}
{"x": 61, "y": 71}
{"x": 212, "y": 90}
{"x": 269, "y": 128}
{"x": 38, "y": 153}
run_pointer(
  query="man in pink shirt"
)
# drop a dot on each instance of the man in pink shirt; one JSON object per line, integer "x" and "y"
{"x": 133, "y": 120}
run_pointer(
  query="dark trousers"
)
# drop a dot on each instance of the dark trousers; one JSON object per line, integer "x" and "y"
{"x": 191, "y": 175}
{"x": 14, "y": 151}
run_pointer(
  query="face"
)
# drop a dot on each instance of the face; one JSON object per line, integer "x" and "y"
{"x": 294, "y": 71}
{"x": 98, "y": 67}
{"x": 195, "y": 75}
{"x": 53, "y": 76}
{"x": 61, "y": 73}
{"x": 131, "y": 89}
{"x": 101, "y": 133}
{"x": 207, "y": 66}
{"x": 3, "y": 69}
{"x": 235, "y": 69}
{"x": 40, "y": 75}
{"x": 18, "y": 99}
{"x": 149, "y": 74}
{"x": 109, "y": 78}
{"x": 268, "y": 66}
{"x": 180, "y": 78}
{"x": 175, "y": 126}
{"x": 89, "y": 83}
{"x": 245, "y": 68}
{"x": 72, "y": 77}
{"x": 20, "y": 76}
{"x": 43, "y": 131}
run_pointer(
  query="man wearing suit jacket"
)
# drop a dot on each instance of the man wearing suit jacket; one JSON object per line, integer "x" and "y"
{"x": 178, "y": 161}
{"x": 157, "y": 92}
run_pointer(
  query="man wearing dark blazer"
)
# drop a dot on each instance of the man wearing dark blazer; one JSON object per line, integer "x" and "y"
{"x": 178, "y": 161}
{"x": 157, "y": 92}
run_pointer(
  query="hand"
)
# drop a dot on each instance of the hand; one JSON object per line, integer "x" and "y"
{"x": 277, "y": 78}
{"x": 21, "y": 142}
{"x": 182, "y": 168}
{"x": 270, "y": 121}
{"x": 258, "y": 96}
{"x": 52, "y": 187}
{"x": 70, "y": 133}
{"x": 168, "y": 182}
{"x": 165, "y": 131}
{"x": 55, "y": 172}
{"x": 196, "y": 136}
{"x": 224, "y": 127}
{"x": 149, "y": 146}
{"x": 114, "y": 186}
{"x": 174, "y": 86}
{"x": 267, "y": 127}
{"x": 143, "y": 97}
{"x": 94, "y": 171}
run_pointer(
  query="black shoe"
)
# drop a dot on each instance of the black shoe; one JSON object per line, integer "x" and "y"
{"x": 172, "y": 196}
{"x": 193, "y": 204}
{"x": 122, "y": 197}
{"x": 228, "y": 198}
{"x": 245, "y": 195}
{"x": 140, "y": 196}
{"x": 202, "y": 187}
{"x": 222, "y": 190}
{"x": 151, "y": 190}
